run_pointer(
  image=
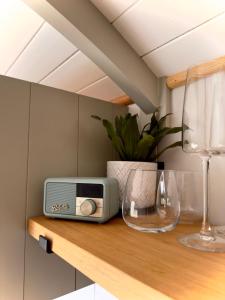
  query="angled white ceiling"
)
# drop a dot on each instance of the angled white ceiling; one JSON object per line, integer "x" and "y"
{"x": 75, "y": 74}
{"x": 103, "y": 88}
{"x": 33, "y": 50}
{"x": 163, "y": 32}
{"x": 169, "y": 35}
{"x": 150, "y": 24}
{"x": 44, "y": 53}
{"x": 18, "y": 24}
{"x": 200, "y": 45}
{"x": 112, "y": 9}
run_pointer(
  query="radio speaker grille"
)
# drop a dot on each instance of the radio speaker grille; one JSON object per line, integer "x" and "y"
{"x": 61, "y": 198}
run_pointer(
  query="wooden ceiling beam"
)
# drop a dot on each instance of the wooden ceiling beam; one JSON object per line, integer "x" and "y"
{"x": 123, "y": 100}
{"x": 206, "y": 69}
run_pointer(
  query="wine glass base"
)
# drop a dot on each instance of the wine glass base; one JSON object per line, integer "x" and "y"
{"x": 194, "y": 241}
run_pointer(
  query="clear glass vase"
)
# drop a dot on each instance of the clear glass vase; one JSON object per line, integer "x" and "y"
{"x": 151, "y": 203}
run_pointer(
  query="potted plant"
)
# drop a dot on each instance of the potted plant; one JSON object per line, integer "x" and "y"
{"x": 136, "y": 148}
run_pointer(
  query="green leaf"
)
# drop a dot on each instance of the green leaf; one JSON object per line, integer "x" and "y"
{"x": 109, "y": 128}
{"x": 176, "y": 144}
{"x": 153, "y": 122}
{"x": 185, "y": 127}
{"x": 144, "y": 128}
{"x": 96, "y": 117}
{"x": 156, "y": 125}
{"x": 161, "y": 133}
{"x": 128, "y": 116}
{"x": 167, "y": 130}
{"x": 119, "y": 123}
{"x": 116, "y": 141}
{"x": 143, "y": 147}
{"x": 163, "y": 119}
{"x": 118, "y": 145}
{"x": 133, "y": 145}
{"x": 130, "y": 136}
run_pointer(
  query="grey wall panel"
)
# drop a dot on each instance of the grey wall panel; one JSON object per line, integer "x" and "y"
{"x": 82, "y": 280}
{"x": 47, "y": 275}
{"x": 119, "y": 110}
{"x": 53, "y": 152}
{"x": 95, "y": 148}
{"x": 39, "y": 132}
{"x": 14, "y": 112}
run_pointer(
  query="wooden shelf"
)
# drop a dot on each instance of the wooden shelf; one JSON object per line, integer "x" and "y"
{"x": 133, "y": 265}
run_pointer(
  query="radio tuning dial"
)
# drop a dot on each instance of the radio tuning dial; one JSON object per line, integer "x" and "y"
{"x": 88, "y": 207}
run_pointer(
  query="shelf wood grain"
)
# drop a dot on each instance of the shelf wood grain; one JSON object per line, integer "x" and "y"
{"x": 133, "y": 265}
{"x": 206, "y": 69}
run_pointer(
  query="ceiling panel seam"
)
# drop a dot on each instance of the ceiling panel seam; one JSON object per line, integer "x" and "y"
{"x": 24, "y": 48}
{"x": 58, "y": 66}
{"x": 183, "y": 34}
{"x": 126, "y": 10}
{"x": 93, "y": 83}
{"x": 84, "y": 87}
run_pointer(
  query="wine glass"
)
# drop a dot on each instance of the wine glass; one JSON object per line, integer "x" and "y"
{"x": 151, "y": 202}
{"x": 204, "y": 134}
{"x": 189, "y": 188}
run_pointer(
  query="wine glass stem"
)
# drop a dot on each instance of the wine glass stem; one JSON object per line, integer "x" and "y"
{"x": 206, "y": 230}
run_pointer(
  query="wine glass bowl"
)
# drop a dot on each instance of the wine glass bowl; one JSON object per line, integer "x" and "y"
{"x": 203, "y": 112}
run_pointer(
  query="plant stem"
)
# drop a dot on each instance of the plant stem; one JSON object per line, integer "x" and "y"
{"x": 206, "y": 230}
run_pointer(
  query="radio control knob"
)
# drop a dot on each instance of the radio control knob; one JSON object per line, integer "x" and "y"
{"x": 88, "y": 207}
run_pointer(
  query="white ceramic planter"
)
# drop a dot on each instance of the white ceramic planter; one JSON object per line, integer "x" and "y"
{"x": 121, "y": 169}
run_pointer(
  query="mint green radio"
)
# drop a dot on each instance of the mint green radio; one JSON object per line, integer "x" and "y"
{"x": 77, "y": 198}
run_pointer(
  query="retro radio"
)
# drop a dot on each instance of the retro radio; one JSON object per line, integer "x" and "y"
{"x": 89, "y": 199}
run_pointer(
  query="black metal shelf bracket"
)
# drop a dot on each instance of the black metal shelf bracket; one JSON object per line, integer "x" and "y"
{"x": 45, "y": 244}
